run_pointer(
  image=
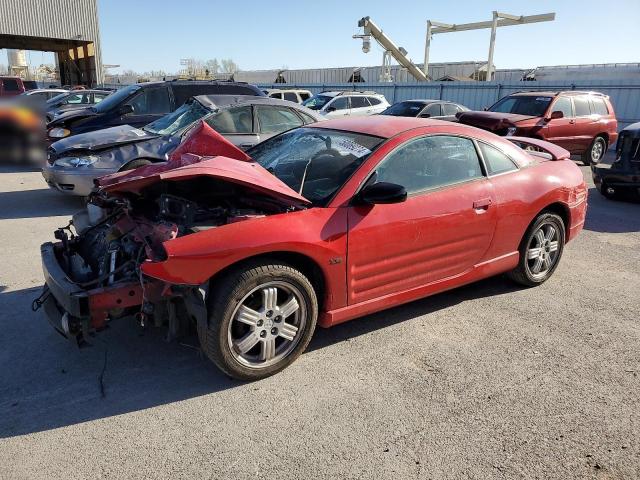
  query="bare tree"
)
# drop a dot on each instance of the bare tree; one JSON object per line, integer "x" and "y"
{"x": 228, "y": 65}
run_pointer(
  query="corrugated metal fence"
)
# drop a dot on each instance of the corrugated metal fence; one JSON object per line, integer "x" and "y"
{"x": 625, "y": 95}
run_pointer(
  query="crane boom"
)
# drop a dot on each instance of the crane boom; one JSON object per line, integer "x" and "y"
{"x": 385, "y": 42}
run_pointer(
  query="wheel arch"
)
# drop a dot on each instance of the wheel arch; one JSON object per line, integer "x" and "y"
{"x": 148, "y": 159}
{"x": 560, "y": 209}
{"x": 308, "y": 266}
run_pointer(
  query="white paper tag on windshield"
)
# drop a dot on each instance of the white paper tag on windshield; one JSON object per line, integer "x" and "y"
{"x": 137, "y": 132}
{"x": 351, "y": 147}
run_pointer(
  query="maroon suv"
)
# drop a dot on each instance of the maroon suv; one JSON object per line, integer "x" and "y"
{"x": 582, "y": 122}
{"x": 11, "y": 86}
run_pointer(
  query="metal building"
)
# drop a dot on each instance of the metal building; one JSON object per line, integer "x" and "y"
{"x": 470, "y": 70}
{"x": 69, "y": 28}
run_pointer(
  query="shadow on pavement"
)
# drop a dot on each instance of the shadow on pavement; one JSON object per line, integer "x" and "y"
{"x": 612, "y": 216}
{"x": 38, "y": 203}
{"x": 48, "y": 383}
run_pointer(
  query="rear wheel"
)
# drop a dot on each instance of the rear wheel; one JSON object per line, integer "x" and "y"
{"x": 540, "y": 250}
{"x": 262, "y": 317}
{"x": 596, "y": 151}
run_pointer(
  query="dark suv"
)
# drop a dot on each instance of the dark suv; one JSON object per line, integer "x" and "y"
{"x": 140, "y": 104}
{"x": 621, "y": 178}
{"x": 582, "y": 122}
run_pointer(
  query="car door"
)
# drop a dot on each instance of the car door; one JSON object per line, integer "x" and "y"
{"x": 338, "y": 107}
{"x": 237, "y": 125}
{"x": 443, "y": 229}
{"x": 149, "y": 104}
{"x": 586, "y": 125}
{"x": 562, "y": 131}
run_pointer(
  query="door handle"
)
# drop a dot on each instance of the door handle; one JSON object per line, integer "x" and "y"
{"x": 482, "y": 204}
{"x": 244, "y": 146}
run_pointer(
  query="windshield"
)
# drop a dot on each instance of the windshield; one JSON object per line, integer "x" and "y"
{"x": 522, "y": 105}
{"x": 115, "y": 99}
{"x": 317, "y": 102}
{"x": 325, "y": 159}
{"x": 404, "y": 109}
{"x": 178, "y": 120}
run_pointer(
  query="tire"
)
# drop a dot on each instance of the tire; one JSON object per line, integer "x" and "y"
{"x": 594, "y": 154}
{"x": 532, "y": 271}
{"x": 246, "y": 337}
{"x": 133, "y": 164}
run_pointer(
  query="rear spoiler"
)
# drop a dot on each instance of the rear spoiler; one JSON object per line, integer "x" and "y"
{"x": 540, "y": 148}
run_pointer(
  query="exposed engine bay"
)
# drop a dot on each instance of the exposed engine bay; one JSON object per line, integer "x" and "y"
{"x": 103, "y": 246}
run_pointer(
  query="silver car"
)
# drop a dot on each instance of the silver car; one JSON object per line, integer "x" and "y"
{"x": 75, "y": 162}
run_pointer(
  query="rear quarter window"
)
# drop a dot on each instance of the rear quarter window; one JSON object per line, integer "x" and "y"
{"x": 495, "y": 160}
{"x": 599, "y": 106}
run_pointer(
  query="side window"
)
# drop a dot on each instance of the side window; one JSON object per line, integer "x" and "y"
{"x": 276, "y": 119}
{"x": 151, "y": 101}
{"x": 98, "y": 97}
{"x": 449, "y": 109}
{"x": 433, "y": 110}
{"x": 11, "y": 85}
{"x": 496, "y": 161}
{"x": 74, "y": 100}
{"x": 581, "y": 103}
{"x": 86, "y": 98}
{"x": 277, "y": 95}
{"x": 232, "y": 120}
{"x": 430, "y": 162}
{"x": 563, "y": 104}
{"x": 304, "y": 96}
{"x": 359, "y": 102}
{"x": 599, "y": 106}
{"x": 307, "y": 118}
{"x": 291, "y": 96}
{"x": 374, "y": 101}
{"x": 340, "y": 103}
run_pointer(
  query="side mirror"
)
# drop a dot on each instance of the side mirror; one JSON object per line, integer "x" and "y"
{"x": 330, "y": 109}
{"x": 382, "y": 193}
{"x": 555, "y": 115}
{"x": 126, "y": 109}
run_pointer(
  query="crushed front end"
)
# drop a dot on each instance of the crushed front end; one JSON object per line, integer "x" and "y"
{"x": 94, "y": 271}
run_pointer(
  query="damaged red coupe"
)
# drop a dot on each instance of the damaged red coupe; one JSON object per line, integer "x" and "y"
{"x": 316, "y": 226}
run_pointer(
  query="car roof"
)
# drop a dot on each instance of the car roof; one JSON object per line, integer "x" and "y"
{"x": 549, "y": 93}
{"x": 383, "y": 126}
{"x": 335, "y": 93}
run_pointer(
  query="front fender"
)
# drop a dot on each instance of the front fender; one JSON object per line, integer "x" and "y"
{"x": 319, "y": 234}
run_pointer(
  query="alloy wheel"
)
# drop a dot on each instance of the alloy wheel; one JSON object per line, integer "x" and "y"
{"x": 267, "y": 324}
{"x": 542, "y": 251}
{"x": 597, "y": 151}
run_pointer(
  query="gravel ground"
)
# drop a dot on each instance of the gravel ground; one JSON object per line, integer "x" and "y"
{"x": 487, "y": 381}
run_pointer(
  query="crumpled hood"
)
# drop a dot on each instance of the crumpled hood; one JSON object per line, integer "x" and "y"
{"x": 102, "y": 139}
{"x": 491, "y": 120}
{"x": 204, "y": 152}
{"x": 248, "y": 174}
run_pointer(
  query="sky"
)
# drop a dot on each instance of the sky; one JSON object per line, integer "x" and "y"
{"x": 144, "y": 35}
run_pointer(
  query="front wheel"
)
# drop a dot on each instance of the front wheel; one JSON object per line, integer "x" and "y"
{"x": 261, "y": 318}
{"x": 540, "y": 250}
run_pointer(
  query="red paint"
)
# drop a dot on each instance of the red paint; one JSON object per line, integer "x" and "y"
{"x": 380, "y": 256}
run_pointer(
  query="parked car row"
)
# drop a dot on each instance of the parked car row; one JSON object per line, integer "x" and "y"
{"x": 584, "y": 123}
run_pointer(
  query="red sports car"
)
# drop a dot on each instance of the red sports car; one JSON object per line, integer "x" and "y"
{"x": 320, "y": 225}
